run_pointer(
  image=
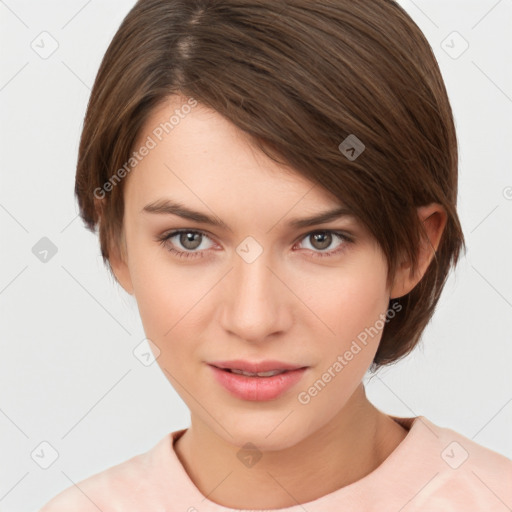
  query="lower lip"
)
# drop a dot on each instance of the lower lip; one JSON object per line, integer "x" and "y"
{"x": 258, "y": 388}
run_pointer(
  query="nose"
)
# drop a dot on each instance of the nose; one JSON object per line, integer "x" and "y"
{"x": 256, "y": 303}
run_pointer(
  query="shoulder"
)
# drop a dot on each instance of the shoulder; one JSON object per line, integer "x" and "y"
{"x": 459, "y": 451}
{"x": 120, "y": 487}
{"x": 466, "y": 474}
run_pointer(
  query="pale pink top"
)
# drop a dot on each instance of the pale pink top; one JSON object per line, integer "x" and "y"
{"x": 433, "y": 469}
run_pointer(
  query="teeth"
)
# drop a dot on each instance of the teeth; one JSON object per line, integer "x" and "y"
{"x": 259, "y": 374}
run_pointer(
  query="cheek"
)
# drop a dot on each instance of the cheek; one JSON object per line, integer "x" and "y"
{"x": 350, "y": 300}
{"x": 352, "y": 309}
{"x": 169, "y": 297}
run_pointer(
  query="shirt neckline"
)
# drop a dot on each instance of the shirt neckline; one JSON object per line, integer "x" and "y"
{"x": 399, "y": 466}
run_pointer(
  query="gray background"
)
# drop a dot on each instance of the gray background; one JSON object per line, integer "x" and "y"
{"x": 68, "y": 373}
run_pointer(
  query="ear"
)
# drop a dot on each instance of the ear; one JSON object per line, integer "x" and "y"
{"x": 118, "y": 260}
{"x": 434, "y": 220}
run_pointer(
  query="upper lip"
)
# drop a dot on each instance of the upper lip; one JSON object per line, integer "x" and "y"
{"x": 255, "y": 367}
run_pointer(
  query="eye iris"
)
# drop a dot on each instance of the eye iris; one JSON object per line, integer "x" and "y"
{"x": 325, "y": 240}
{"x": 188, "y": 238}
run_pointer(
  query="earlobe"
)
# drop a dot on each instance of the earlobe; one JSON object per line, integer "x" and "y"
{"x": 434, "y": 220}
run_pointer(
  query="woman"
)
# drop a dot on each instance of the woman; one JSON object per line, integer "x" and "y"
{"x": 275, "y": 183}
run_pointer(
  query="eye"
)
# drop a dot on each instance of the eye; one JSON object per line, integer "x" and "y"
{"x": 188, "y": 243}
{"x": 322, "y": 240}
{"x": 188, "y": 239}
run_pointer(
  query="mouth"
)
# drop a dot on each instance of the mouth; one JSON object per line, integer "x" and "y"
{"x": 266, "y": 380}
{"x": 270, "y": 373}
{"x": 256, "y": 369}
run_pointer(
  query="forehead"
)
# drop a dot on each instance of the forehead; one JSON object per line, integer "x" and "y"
{"x": 206, "y": 162}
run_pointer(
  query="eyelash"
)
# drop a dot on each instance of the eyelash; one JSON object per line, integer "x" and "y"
{"x": 201, "y": 254}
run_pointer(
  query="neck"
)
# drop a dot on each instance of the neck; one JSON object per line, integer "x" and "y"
{"x": 347, "y": 448}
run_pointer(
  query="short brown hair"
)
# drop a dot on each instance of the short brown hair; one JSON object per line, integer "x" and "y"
{"x": 299, "y": 77}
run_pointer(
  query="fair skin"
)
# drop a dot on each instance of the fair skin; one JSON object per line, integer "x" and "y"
{"x": 287, "y": 304}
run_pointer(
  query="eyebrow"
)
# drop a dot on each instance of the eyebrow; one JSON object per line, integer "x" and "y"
{"x": 170, "y": 207}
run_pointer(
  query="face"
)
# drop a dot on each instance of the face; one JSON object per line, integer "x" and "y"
{"x": 255, "y": 286}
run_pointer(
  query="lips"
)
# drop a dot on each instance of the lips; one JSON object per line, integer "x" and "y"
{"x": 257, "y": 387}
